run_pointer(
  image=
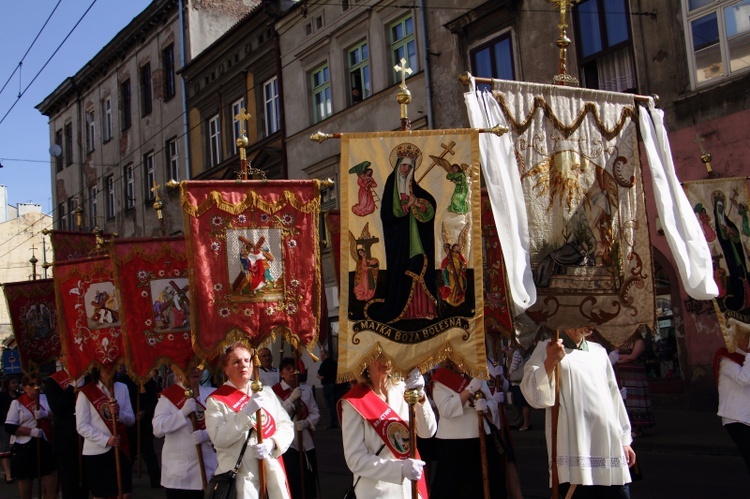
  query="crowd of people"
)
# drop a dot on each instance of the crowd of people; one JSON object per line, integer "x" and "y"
{"x": 267, "y": 433}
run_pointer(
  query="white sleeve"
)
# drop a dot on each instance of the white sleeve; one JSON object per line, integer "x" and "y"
{"x": 167, "y": 418}
{"x": 538, "y": 389}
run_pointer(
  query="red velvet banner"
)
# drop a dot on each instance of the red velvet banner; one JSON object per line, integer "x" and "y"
{"x": 254, "y": 251}
{"x": 89, "y": 314}
{"x": 69, "y": 245}
{"x": 33, "y": 315}
{"x": 152, "y": 281}
{"x": 333, "y": 225}
{"x": 497, "y": 316}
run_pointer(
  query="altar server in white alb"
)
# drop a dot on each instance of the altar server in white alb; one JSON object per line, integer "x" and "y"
{"x": 593, "y": 431}
{"x": 180, "y": 465}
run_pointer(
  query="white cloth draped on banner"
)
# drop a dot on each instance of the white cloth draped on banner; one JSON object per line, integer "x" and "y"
{"x": 575, "y": 153}
{"x": 720, "y": 208}
{"x": 683, "y": 232}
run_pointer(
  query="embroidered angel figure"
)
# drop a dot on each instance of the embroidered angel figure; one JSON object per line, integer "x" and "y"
{"x": 366, "y": 271}
{"x": 458, "y": 175}
{"x": 367, "y": 197}
{"x": 454, "y": 265}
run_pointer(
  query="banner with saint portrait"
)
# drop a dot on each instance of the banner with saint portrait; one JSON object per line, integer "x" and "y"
{"x": 721, "y": 207}
{"x": 89, "y": 315}
{"x": 411, "y": 251}
{"x": 33, "y": 316}
{"x": 253, "y": 248}
{"x": 153, "y": 286}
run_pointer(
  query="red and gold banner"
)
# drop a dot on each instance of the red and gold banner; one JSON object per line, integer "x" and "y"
{"x": 33, "y": 315}
{"x": 89, "y": 314}
{"x": 70, "y": 245}
{"x": 254, "y": 251}
{"x": 411, "y": 268}
{"x": 152, "y": 282}
{"x": 497, "y": 316}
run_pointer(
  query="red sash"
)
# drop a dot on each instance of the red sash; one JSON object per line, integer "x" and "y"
{"x": 387, "y": 424}
{"x": 722, "y": 353}
{"x": 451, "y": 379}
{"x": 178, "y": 396}
{"x": 236, "y": 400}
{"x": 30, "y": 404}
{"x": 101, "y": 403}
{"x": 62, "y": 379}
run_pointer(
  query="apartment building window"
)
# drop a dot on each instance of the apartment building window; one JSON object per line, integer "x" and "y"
{"x": 93, "y": 192}
{"x": 126, "y": 117}
{"x": 214, "y": 140}
{"x": 146, "y": 93}
{"x": 71, "y": 214}
{"x": 173, "y": 159}
{"x": 110, "y": 197}
{"x": 403, "y": 45}
{"x": 129, "y": 187}
{"x": 68, "y": 150}
{"x": 167, "y": 59}
{"x": 718, "y": 38}
{"x": 321, "y": 93}
{"x": 107, "y": 119}
{"x": 59, "y": 157}
{"x": 237, "y": 125}
{"x": 359, "y": 73}
{"x": 62, "y": 221}
{"x": 493, "y": 59}
{"x": 90, "y": 131}
{"x": 149, "y": 175}
{"x": 271, "y": 100}
{"x": 602, "y": 29}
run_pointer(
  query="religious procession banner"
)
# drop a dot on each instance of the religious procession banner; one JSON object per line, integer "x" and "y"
{"x": 253, "y": 248}
{"x": 152, "y": 283}
{"x": 497, "y": 315}
{"x": 33, "y": 316}
{"x": 411, "y": 252}
{"x": 577, "y": 154}
{"x": 721, "y": 207}
{"x": 89, "y": 315}
{"x": 71, "y": 245}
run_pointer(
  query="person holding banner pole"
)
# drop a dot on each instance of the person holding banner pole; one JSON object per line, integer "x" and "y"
{"x": 232, "y": 411}
{"x": 103, "y": 413}
{"x": 592, "y": 454}
{"x": 31, "y": 452}
{"x": 376, "y": 436}
{"x": 187, "y": 457}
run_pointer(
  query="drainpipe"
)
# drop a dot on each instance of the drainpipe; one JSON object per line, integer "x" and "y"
{"x": 426, "y": 60}
{"x": 184, "y": 92}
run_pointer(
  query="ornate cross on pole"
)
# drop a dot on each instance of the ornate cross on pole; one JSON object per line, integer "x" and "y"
{"x": 404, "y": 96}
{"x": 562, "y": 77}
{"x": 242, "y": 140}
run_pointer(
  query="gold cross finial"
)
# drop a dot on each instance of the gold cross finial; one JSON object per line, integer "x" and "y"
{"x": 155, "y": 190}
{"x": 242, "y": 117}
{"x": 404, "y": 70}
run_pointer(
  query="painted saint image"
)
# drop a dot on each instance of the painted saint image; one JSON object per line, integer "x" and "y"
{"x": 737, "y": 287}
{"x": 255, "y": 261}
{"x": 171, "y": 306}
{"x": 39, "y": 321}
{"x": 102, "y": 309}
{"x": 367, "y": 197}
{"x": 365, "y": 277}
{"x": 705, "y": 220}
{"x": 457, "y": 174}
{"x": 453, "y": 267}
{"x": 407, "y": 214}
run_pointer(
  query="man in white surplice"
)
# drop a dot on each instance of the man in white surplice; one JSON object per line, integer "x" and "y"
{"x": 593, "y": 432}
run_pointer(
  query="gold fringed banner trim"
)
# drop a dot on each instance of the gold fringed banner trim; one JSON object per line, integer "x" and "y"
{"x": 252, "y": 200}
{"x": 519, "y": 127}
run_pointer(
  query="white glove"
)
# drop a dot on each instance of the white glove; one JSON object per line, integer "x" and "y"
{"x": 475, "y": 385}
{"x": 40, "y": 414}
{"x": 257, "y": 400}
{"x": 624, "y": 392}
{"x": 415, "y": 380}
{"x": 614, "y": 357}
{"x": 480, "y": 405}
{"x": 200, "y": 436}
{"x": 412, "y": 469}
{"x": 499, "y": 397}
{"x": 296, "y": 393}
{"x": 494, "y": 370}
{"x": 263, "y": 450}
{"x": 189, "y": 407}
{"x": 301, "y": 425}
{"x": 37, "y": 433}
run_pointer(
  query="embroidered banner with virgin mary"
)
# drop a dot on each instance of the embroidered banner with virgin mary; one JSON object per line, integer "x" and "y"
{"x": 411, "y": 252}
{"x": 576, "y": 153}
{"x": 721, "y": 207}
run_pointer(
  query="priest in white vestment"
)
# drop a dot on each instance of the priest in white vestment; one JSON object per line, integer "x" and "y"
{"x": 593, "y": 432}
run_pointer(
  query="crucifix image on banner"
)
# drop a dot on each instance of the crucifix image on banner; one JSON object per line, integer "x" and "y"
{"x": 411, "y": 253}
